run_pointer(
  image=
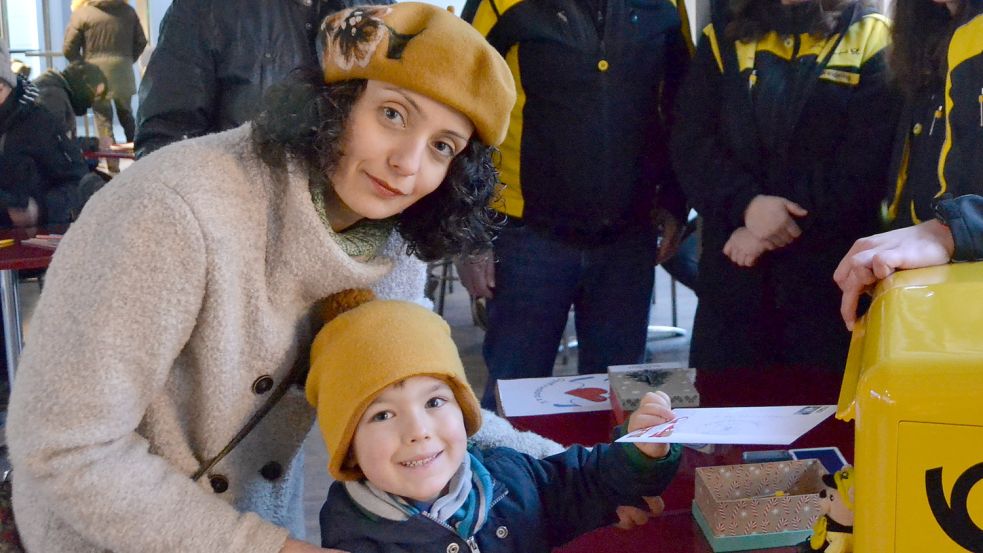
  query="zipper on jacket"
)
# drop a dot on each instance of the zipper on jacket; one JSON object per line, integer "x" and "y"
{"x": 938, "y": 115}
{"x": 752, "y": 80}
{"x": 981, "y": 107}
{"x": 471, "y": 543}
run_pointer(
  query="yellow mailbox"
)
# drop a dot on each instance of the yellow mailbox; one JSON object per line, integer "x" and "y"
{"x": 914, "y": 386}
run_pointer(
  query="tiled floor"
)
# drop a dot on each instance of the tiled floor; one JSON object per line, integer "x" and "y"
{"x": 468, "y": 338}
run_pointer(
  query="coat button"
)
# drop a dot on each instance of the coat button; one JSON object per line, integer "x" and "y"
{"x": 917, "y": 129}
{"x": 263, "y": 384}
{"x": 453, "y": 548}
{"x": 219, "y": 483}
{"x": 271, "y": 471}
{"x": 502, "y": 532}
{"x": 603, "y": 65}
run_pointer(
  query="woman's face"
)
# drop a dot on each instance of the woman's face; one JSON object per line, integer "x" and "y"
{"x": 398, "y": 146}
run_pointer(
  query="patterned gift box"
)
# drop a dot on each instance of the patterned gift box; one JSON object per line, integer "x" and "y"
{"x": 628, "y": 383}
{"x": 758, "y": 504}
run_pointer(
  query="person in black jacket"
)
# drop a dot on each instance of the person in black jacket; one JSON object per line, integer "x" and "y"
{"x": 40, "y": 167}
{"x": 71, "y": 92}
{"x": 936, "y": 49}
{"x": 954, "y": 234}
{"x": 781, "y": 143}
{"x": 215, "y": 58}
{"x": 588, "y": 187}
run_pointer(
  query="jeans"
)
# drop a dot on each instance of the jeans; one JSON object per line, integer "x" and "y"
{"x": 538, "y": 278}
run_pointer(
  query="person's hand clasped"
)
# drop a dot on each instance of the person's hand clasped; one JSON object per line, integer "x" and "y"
{"x": 477, "y": 274}
{"x": 744, "y": 248}
{"x": 876, "y": 257}
{"x": 772, "y": 219}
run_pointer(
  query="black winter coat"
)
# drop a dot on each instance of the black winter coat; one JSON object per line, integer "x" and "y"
{"x": 537, "y": 504}
{"x": 215, "y": 58}
{"x": 37, "y": 160}
{"x": 767, "y": 117}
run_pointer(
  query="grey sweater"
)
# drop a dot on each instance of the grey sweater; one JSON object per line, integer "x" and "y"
{"x": 186, "y": 279}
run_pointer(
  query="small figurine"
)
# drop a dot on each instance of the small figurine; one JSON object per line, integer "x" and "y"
{"x": 833, "y": 531}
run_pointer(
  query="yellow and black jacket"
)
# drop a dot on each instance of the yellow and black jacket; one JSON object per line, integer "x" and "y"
{"x": 914, "y": 172}
{"x": 961, "y": 161}
{"x": 939, "y": 142}
{"x": 586, "y": 154}
{"x": 808, "y": 118}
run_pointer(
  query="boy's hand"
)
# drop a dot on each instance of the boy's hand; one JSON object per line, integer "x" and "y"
{"x": 655, "y": 408}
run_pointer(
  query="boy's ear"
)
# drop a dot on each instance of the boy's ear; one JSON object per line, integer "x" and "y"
{"x": 350, "y": 461}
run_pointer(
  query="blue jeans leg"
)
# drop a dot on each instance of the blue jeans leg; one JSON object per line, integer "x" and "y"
{"x": 535, "y": 282}
{"x": 612, "y": 303}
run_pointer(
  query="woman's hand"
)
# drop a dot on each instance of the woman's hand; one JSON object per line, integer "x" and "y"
{"x": 654, "y": 408}
{"x": 744, "y": 248}
{"x": 295, "y": 546}
{"x": 477, "y": 274}
{"x": 771, "y": 218}
{"x": 876, "y": 257}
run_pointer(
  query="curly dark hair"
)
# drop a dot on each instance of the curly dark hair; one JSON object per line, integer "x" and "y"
{"x": 753, "y": 19}
{"x": 304, "y": 119}
{"x": 920, "y": 35}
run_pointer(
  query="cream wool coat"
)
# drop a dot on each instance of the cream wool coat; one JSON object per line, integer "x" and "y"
{"x": 190, "y": 276}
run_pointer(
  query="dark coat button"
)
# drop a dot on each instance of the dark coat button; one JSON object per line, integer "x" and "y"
{"x": 263, "y": 384}
{"x": 271, "y": 471}
{"x": 219, "y": 483}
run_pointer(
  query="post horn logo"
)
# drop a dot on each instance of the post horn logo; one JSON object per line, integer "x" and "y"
{"x": 953, "y": 516}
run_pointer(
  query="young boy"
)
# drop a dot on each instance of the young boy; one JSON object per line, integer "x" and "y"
{"x": 398, "y": 442}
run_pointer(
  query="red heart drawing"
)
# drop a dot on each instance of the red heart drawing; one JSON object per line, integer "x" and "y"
{"x": 598, "y": 395}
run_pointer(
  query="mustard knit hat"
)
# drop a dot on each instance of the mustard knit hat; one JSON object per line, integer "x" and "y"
{"x": 360, "y": 352}
{"x": 425, "y": 49}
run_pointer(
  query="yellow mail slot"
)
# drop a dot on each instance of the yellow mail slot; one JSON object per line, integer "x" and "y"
{"x": 914, "y": 386}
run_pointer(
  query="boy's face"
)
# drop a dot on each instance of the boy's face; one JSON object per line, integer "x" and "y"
{"x": 411, "y": 440}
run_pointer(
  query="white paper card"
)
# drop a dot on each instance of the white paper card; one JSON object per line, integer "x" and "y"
{"x": 524, "y": 397}
{"x": 735, "y": 425}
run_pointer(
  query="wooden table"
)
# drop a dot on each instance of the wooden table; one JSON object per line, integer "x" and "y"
{"x": 676, "y": 531}
{"x": 13, "y": 259}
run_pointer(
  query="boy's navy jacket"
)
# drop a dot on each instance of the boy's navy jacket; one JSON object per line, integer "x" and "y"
{"x": 538, "y": 504}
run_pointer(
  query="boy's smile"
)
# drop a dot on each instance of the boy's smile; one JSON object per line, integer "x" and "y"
{"x": 411, "y": 439}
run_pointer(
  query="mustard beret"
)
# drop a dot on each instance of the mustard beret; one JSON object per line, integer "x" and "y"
{"x": 425, "y": 49}
{"x": 362, "y": 351}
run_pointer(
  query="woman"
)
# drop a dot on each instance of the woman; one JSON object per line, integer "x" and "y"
{"x": 185, "y": 293}
{"x": 108, "y": 34}
{"x": 781, "y": 143}
{"x": 941, "y": 107}
{"x": 938, "y": 153}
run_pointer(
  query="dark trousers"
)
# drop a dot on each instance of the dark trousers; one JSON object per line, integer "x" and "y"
{"x": 103, "y": 110}
{"x": 538, "y": 278}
